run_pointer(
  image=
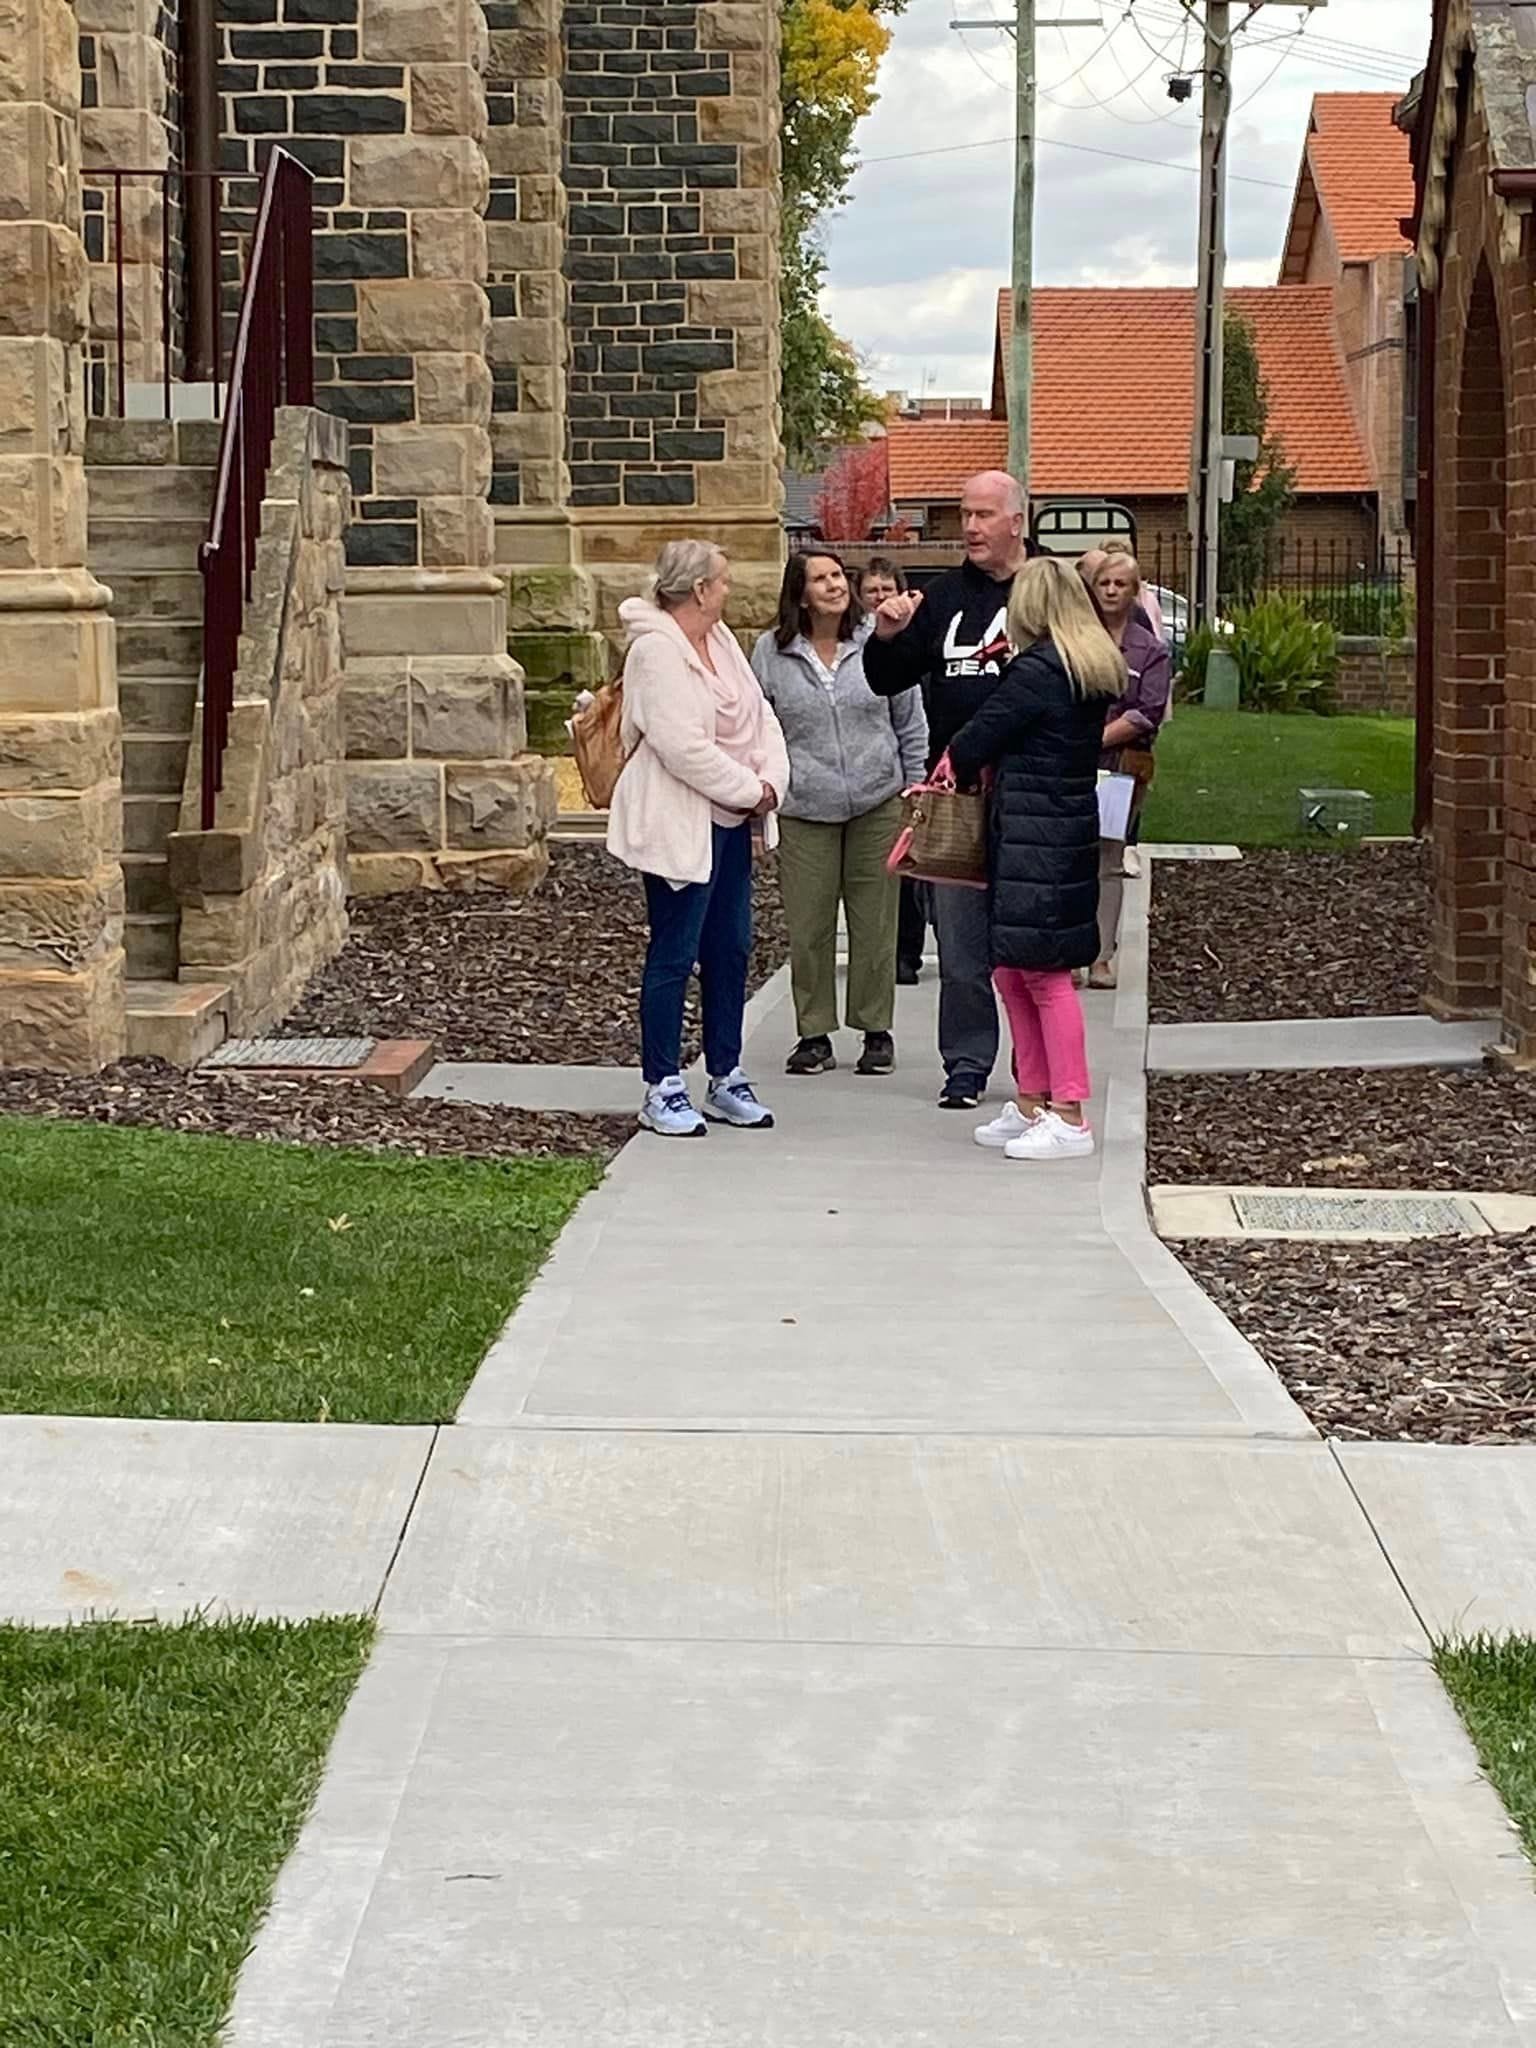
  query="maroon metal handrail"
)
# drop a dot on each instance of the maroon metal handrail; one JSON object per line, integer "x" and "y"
{"x": 273, "y": 365}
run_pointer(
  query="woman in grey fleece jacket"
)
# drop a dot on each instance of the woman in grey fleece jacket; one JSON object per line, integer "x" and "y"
{"x": 851, "y": 754}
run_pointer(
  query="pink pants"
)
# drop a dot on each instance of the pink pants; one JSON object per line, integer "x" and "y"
{"x": 1046, "y": 1020}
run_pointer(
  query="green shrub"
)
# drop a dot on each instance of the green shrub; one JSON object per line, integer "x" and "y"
{"x": 1286, "y": 661}
{"x": 1369, "y": 611}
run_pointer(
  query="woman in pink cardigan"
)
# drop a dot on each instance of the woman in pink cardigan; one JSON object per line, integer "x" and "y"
{"x": 704, "y": 757}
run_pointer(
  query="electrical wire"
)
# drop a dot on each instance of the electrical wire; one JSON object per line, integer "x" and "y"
{"x": 1120, "y": 156}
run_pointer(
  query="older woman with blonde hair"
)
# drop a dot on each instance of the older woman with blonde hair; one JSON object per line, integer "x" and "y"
{"x": 704, "y": 757}
{"x": 1040, "y": 732}
{"x": 1134, "y": 721}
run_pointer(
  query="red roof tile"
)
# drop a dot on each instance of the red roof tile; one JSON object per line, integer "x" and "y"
{"x": 1361, "y": 168}
{"x": 1114, "y": 397}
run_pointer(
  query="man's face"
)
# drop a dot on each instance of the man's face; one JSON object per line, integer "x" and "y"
{"x": 992, "y": 532}
{"x": 874, "y": 590}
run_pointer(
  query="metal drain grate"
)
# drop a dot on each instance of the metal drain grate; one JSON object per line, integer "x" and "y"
{"x": 1318, "y": 1215}
{"x": 292, "y": 1052}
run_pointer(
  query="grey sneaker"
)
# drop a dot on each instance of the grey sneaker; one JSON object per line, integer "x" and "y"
{"x": 731, "y": 1101}
{"x": 668, "y": 1111}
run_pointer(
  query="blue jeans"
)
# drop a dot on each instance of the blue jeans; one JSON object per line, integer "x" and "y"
{"x": 708, "y": 924}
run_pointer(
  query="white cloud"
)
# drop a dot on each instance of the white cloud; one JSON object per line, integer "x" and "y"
{"x": 925, "y": 242}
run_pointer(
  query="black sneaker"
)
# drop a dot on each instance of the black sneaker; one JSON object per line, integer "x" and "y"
{"x": 879, "y": 1054}
{"x": 908, "y": 973}
{"x": 962, "y": 1091}
{"x": 811, "y": 1056}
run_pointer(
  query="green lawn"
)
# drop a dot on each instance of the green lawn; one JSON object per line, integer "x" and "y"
{"x": 151, "y": 1274}
{"x": 1232, "y": 776}
{"x": 151, "y": 1782}
{"x": 1493, "y": 1682}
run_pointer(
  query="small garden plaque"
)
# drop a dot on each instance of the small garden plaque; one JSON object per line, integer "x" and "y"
{"x": 307, "y": 1053}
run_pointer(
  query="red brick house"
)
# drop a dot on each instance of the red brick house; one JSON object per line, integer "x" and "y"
{"x": 1354, "y": 189}
{"x": 1474, "y": 159}
{"x": 1113, "y": 417}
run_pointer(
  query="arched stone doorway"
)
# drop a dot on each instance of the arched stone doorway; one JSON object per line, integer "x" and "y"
{"x": 1469, "y": 745}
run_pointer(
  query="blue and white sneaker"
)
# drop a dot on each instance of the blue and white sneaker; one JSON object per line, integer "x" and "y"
{"x": 668, "y": 1111}
{"x": 731, "y": 1101}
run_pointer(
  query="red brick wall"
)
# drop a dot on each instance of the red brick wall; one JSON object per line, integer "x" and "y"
{"x": 1376, "y": 675}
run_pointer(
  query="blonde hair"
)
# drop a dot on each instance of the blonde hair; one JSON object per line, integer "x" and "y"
{"x": 1121, "y": 557}
{"x": 1049, "y": 602}
{"x": 681, "y": 567}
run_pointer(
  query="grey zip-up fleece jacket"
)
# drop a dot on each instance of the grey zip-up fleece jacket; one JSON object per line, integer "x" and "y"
{"x": 849, "y": 750}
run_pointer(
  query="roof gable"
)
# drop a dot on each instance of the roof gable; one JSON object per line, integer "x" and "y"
{"x": 1357, "y": 173}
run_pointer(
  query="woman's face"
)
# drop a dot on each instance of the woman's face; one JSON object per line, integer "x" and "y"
{"x": 826, "y": 588}
{"x": 1115, "y": 586}
{"x": 715, "y": 593}
{"x": 874, "y": 590}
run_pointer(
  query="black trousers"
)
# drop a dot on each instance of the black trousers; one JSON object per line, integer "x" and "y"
{"x": 912, "y": 925}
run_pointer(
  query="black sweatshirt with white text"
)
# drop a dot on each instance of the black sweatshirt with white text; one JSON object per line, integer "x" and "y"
{"x": 954, "y": 651}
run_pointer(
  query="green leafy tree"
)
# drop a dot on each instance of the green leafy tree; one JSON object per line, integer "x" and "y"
{"x": 1264, "y": 490}
{"x": 831, "y": 51}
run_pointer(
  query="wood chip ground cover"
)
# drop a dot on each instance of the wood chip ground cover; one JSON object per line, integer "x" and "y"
{"x": 1281, "y": 934}
{"x": 553, "y": 978}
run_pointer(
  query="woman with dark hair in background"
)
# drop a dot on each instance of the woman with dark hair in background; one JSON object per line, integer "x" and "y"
{"x": 879, "y": 579}
{"x": 850, "y": 756}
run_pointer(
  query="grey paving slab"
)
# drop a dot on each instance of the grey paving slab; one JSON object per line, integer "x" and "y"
{"x": 1307, "y": 1043}
{"x": 1251, "y": 1548}
{"x": 1459, "y": 1523}
{"x": 155, "y": 1518}
{"x": 593, "y": 1091}
{"x": 601, "y": 1845}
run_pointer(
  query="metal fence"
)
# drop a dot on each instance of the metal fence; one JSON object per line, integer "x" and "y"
{"x": 1360, "y": 593}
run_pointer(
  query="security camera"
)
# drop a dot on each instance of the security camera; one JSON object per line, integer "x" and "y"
{"x": 1181, "y": 89}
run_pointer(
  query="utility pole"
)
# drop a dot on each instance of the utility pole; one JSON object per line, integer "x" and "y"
{"x": 1021, "y": 352}
{"x": 1210, "y": 311}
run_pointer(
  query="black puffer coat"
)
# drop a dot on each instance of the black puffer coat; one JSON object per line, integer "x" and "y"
{"x": 1043, "y": 741}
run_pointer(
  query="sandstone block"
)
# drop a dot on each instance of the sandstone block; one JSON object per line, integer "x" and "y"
{"x": 728, "y": 302}
{"x": 220, "y": 930}
{"x": 514, "y": 342}
{"x": 61, "y": 924}
{"x": 447, "y": 99}
{"x": 42, "y": 280}
{"x": 449, "y": 244}
{"x": 457, "y": 533}
{"x": 517, "y": 246}
{"x": 394, "y": 806}
{"x": 757, "y": 257}
{"x": 376, "y": 715}
{"x": 541, "y": 388}
{"x": 40, "y": 51}
{"x": 514, "y": 874}
{"x": 505, "y": 804}
{"x": 459, "y": 712}
{"x": 542, "y": 199}
{"x": 59, "y": 837}
{"x": 732, "y": 120}
{"x": 729, "y": 26}
{"x": 416, "y": 31}
{"x": 523, "y": 153}
{"x": 404, "y": 316}
{"x": 38, "y": 164}
{"x": 525, "y": 436}
{"x": 34, "y": 405}
{"x": 525, "y": 53}
{"x": 726, "y": 394}
{"x": 453, "y": 391}
{"x": 418, "y": 170}
{"x": 387, "y": 874}
{"x": 750, "y": 485}
{"x": 547, "y": 599}
{"x": 729, "y": 212}
{"x": 393, "y": 625}
{"x": 59, "y": 750}
{"x": 431, "y": 462}
{"x": 66, "y": 1022}
{"x": 541, "y": 296}
{"x": 42, "y": 512}
{"x": 753, "y": 437}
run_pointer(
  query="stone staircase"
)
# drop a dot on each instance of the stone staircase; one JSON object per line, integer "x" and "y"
{"x": 151, "y": 486}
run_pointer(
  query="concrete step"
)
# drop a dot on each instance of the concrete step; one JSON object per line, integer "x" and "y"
{"x": 175, "y": 594}
{"x": 157, "y": 704}
{"x": 133, "y": 546}
{"x": 147, "y": 885}
{"x": 154, "y": 763}
{"x": 149, "y": 942}
{"x": 159, "y": 647}
{"x": 148, "y": 821}
{"x": 180, "y": 1021}
{"x": 162, "y": 491}
{"x": 138, "y": 444}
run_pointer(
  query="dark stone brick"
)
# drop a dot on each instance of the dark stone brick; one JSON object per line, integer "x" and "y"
{"x": 506, "y": 486}
{"x": 699, "y": 153}
{"x": 645, "y": 266}
{"x": 580, "y": 38}
{"x": 247, "y": 10}
{"x": 377, "y": 405}
{"x": 360, "y": 469}
{"x": 87, "y": 53}
{"x": 371, "y": 77}
{"x": 323, "y": 113}
{"x": 708, "y": 178}
{"x": 706, "y": 265}
{"x": 343, "y": 42}
{"x": 690, "y": 447}
{"x": 237, "y": 78}
{"x": 319, "y": 154}
{"x": 611, "y": 382}
{"x": 274, "y": 43}
{"x": 628, "y": 62}
{"x": 595, "y": 473}
{"x": 596, "y": 220}
{"x": 335, "y": 298}
{"x": 665, "y": 313}
{"x": 586, "y": 85}
{"x": 674, "y": 489}
{"x": 616, "y": 358}
{"x": 501, "y": 206}
{"x": 503, "y": 298}
{"x": 291, "y": 78}
{"x": 636, "y": 450}
{"x": 590, "y": 128}
{"x": 337, "y": 336}
{"x": 320, "y": 10}
{"x": 386, "y": 220}
{"x": 389, "y": 508}
{"x": 595, "y": 495}
{"x": 346, "y": 222}
{"x": 644, "y": 127}
{"x": 644, "y": 405}
{"x": 592, "y": 268}
{"x": 376, "y": 369}
{"x": 360, "y": 255}
{"x": 636, "y": 178}
{"x": 682, "y": 220}
{"x": 597, "y": 294}
{"x": 381, "y": 547}
{"x": 261, "y": 116}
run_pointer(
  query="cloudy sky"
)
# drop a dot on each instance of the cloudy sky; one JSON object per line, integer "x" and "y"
{"x": 919, "y": 251}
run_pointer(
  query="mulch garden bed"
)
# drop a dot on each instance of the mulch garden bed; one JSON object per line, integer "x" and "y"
{"x": 150, "y": 1094}
{"x": 1281, "y": 934}
{"x": 551, "y": 979}
{"x": 1432, "y": 1342}
{"x": 1471, "y": 1129}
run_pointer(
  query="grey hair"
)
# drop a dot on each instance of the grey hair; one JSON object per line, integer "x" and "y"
{"x": 1006, "y": 486}
{"x": 680, "y": 567}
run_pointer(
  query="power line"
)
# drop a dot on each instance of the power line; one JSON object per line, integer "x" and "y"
{"x": 1119, "y": 156}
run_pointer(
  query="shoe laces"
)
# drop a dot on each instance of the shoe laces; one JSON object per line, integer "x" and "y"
{"x": 676, "y": 1100}
{"x": 736, "y": 1085}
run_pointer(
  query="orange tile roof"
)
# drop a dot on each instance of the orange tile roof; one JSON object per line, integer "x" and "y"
{"x": 1114, "y": 397}
{"x": 1362, "y": 170}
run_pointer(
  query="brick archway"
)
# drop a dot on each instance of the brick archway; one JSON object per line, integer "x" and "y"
{"x": 1469, "y": 760}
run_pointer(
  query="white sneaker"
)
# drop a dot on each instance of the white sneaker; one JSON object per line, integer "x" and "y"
{"x": 731, "y": 1101}
{"x": 1051, "y": 1137}
{"x": 1130, "y": 864}
{"x": 669, "y": 1112}
{"x": 1008, "y": 1124}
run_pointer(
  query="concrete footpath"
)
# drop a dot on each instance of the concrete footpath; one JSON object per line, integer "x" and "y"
{"x": 872, "y": 1600}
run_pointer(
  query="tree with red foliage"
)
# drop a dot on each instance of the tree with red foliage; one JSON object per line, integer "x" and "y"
{"x": 855, "y": 492}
